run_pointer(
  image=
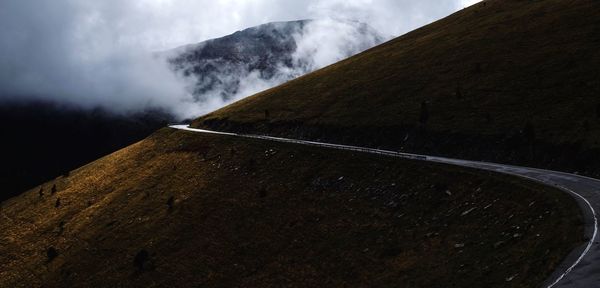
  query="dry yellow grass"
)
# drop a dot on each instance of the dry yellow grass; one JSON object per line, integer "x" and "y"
{"x": 249, "y": 213}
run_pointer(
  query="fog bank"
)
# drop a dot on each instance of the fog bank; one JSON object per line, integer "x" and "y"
{"x": 100, "y": 53}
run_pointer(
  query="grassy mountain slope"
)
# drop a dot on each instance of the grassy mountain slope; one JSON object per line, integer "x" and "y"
{"x": 180, "y": 209}
{"x": 515, "y": 81}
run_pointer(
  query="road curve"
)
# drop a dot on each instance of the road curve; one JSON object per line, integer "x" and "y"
{"x": 580, "y": 269}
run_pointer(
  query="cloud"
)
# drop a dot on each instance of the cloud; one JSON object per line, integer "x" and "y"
{"x": 100, "y": 53}
{"x": 327, "y": 41}
{"x": 467, "y": 3}
{"x": 287, "y": 50}
{"x": 74, "y": 53}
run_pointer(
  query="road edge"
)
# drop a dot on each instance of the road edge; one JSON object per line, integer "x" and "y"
{"x": 571, "y": 261}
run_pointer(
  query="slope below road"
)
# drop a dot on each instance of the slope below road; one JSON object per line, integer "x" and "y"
{"x": 577, "y": 270}
{"x": 181, "y": 209}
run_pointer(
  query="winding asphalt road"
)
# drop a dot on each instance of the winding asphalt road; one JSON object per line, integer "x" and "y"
{"x": 580, "y": 269}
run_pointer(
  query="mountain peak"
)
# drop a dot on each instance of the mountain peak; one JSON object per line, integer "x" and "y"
{"x": 260, "y": 57}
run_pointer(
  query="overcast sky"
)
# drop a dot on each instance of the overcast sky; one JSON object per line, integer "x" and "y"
{"x": 93, "y": 52}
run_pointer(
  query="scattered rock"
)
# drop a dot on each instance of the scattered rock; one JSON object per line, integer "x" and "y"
{"x": 498, "y": 244}
{"x": 270, "y": 152}
{"x": 468, "y": 211}
{"x": 392, "y": 204}
{"x": 508, "y": 279}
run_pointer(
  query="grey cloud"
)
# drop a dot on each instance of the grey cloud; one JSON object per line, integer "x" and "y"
{"x": 100, "y": 53}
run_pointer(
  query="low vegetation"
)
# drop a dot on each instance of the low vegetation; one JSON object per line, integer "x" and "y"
{"x": 181, "y": 209}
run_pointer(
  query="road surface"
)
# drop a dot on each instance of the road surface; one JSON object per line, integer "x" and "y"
{"x": 580, "y": 269}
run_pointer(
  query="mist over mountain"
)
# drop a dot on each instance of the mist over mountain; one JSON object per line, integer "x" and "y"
{"x": 216, "y": 71}
{"x": 87, "y": 75}
{"x": 249, "y": 61}
{"x": 101, "y": 53}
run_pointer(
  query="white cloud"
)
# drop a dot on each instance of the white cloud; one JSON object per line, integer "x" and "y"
{"x": 467, "y": 3}
{"x": 97, "y": 53}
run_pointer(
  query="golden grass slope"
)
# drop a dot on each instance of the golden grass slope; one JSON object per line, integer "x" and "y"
{"x": 216, "y": 211}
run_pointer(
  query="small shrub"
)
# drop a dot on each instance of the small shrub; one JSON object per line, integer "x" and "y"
{"x": 529, "y": 132}
{"x": 586, "y": 125}
{"x": 391, "y": 251}
{"x": 252, "y": 164}
{"x": 51, "y": 254}
{"x": 424, "y": 117}
{"x": 458, "y": 92}
{"x": 171, "y": 202}
{"x": 262, "y": 193}
{"x": 53, "y": 190}
{"x": 488, "y": 118}
{"x": 140, "y": 259}
{"x": 440, "y": 187}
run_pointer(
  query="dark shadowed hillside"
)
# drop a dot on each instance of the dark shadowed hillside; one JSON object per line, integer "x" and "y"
{"x": 507, "y": 81}
{"x": 41, "y": 141}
